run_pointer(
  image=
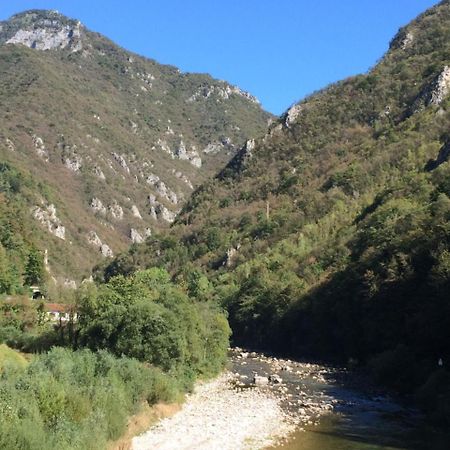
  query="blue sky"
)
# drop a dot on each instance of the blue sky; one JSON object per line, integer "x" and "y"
{"x": 279, "y": 50}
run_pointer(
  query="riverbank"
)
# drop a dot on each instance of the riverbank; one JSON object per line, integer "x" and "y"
{"x": 233, "y": 412}
{"x": 143, "y": 420}
{"x": 220, "y": 415}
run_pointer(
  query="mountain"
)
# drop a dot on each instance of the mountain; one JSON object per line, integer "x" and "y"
{"x": 112, "y": 142}
{"x": 329, "y": 235}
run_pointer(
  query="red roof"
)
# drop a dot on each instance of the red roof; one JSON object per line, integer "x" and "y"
{"x": 55, "y": 307}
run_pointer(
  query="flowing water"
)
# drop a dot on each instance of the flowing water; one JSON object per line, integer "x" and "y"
{"x": 331, "y": 413}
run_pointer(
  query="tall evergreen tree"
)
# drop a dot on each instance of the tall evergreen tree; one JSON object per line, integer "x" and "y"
{"x": 34, "y": 269}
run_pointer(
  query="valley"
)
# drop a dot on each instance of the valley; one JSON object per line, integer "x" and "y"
{"x": 151, "y": 218}
{"x": 310, "y": 407}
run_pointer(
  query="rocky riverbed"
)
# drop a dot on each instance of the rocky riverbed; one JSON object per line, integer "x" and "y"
{"x": 256, "y": 403}
{"x": 263, "y": 402}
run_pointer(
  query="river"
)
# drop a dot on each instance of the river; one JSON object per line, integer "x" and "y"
{"x": 303, "y": 407}
{"x": 360, "y": 418}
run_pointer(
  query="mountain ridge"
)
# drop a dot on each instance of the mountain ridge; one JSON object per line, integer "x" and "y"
{"x": 121, "y": 140}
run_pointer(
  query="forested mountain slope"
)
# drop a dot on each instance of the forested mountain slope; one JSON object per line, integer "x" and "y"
{"x": 119, "y": 140}
{"x": 330, "y": 234}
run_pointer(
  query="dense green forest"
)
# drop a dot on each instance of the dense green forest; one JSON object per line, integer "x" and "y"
{"x": 136, "y": 339}
{"x": 328, "y": 237}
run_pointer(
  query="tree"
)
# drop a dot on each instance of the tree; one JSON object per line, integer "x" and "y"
{"x": 34, "y": 269}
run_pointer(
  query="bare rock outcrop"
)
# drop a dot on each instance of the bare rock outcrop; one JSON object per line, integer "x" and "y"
{"x": 10, "y": 145}
{"x": 95, "y": 241}
{"x": 40, "y": 148}
{"x": 116, "y": 211}
{"x": 292, "y": 114}
{"x": 48, "y": 33}
{"x": 135, "y": 236}
{"x": 135, "y": 212}
{"x": 97, "y": 206}
{"x": 47, "y": 217}
{"x": 434, "y": 93}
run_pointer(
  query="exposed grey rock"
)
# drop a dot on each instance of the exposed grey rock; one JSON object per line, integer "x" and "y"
{"x": 181, "y": 152}
{"x": 135, "y": 236}
{"x": 10, "y": 145}
{"x": 165, "y": 147}
{"x": 148, "y": 232}
{"x": 40, "y": 147}
{"x": 434, "y": 93}
{"x": 135, "y": 212}
{"x": 260, "y": 381}
{"x": 73, "y": 163}
{"x": 164, "y": 213}
{"x": 403, "y": 40}
{"x": 116, "y": 210}
{"x": 121, "y": 161}
{"x": 231, "y": 256}
{"x": 166, "y": 193}
{"x": 192, "y": 156}
{"x": 95, "y": 241}
{"x": 292, "y": 114}
{"x": 276, "y": 379}
{"x": 196, "y": 161}
{"x": 440, "y": 87}
{"x": 407, "y": 41}
{"x": 222, "y": 92}
{"x": 106, "y": 251}
{"x": 153, "y": 214}
{"x": 248, "y": 148}
{"x": 162, "y": 189}
{"x": 99, "y": 173}
{"x": 152, "y": 200}
{"x": 49, "y": 34}
{"x": 47, "y": 217}
{"x": 97, "y": 206}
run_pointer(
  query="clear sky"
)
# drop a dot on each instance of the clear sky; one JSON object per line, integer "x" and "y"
{"x": 279, "y": 50}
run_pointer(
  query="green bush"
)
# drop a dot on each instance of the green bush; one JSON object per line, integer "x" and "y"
{"x": 66, "y": 399}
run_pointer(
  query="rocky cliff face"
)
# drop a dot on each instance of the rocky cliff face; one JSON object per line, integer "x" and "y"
{"x": 120, "y": 140}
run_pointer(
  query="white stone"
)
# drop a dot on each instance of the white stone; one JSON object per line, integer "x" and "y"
{"x": 99, "y": 173}
{"x": 135, "y": 212}
{"x": 97, "y": 206}
{"x": 136, "y": 237}
{"x": 44, "y": 38}
{"x": 213, "y": 148}
{"x": 40, "y": 147}
{"x": 10, "y": 145}
{"x": 106, "y": 251}
{"x": 196, "y": 161}
{"x": 47, "y": 217}
{"x": 73, "y": 163}
{"x": 116, "y": 210}
{"x": 93, "y": 239}
{"x": 441, "y": 87}
{"x": 165, "y": 214}
{"x": 292, "y": 114}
